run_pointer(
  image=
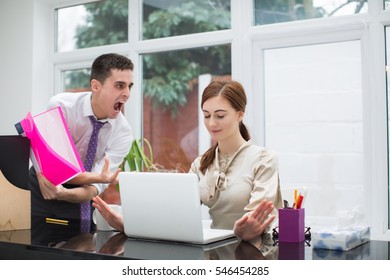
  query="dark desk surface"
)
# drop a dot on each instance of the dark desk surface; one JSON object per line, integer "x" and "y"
{"x": 50, "y": 241}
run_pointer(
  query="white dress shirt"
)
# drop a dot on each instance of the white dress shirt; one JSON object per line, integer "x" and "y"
{"x": 115, "y": 136}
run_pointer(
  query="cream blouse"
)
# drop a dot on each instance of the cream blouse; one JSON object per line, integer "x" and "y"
{"x": 235, "y": 185}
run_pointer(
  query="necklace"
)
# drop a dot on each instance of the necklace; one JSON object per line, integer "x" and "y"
{"x": 225, "y": 155}
{"x": 224, "y": 160}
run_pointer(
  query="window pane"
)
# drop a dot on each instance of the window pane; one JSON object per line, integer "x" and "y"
{"x": 163, "y": 18}
{"x": 313, "y": 120}
{"x": 387, "y": 4}
{"x": 76, "y": 80}
{"x": 267, "y": 12}
{"x": 170, "y": 104}
{"x": 91, "y": 25}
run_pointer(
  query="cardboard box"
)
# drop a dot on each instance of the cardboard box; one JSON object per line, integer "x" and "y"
{"x": 15, "y": 206}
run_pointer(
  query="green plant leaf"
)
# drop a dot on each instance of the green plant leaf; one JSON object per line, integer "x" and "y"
{"x": 130, "y": 159}
{"x": 150, "y": 149}
{"x": 137, "y": 155}
{"x": 136, "y": 158}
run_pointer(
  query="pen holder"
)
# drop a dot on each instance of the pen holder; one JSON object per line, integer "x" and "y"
{"x": 291, "y": 225}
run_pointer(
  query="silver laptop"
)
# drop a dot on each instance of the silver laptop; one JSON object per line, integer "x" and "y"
{"x": 165, "y": 206}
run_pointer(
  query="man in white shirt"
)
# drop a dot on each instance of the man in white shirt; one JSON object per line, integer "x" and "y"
{"x": 111, "y": 82}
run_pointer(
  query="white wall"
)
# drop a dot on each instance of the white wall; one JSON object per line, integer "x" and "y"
{"x": 314, "y": 120}
{"x": 16, "y": 56}
{"x": 43, "y": 49}
{"x": 25, "y": 54}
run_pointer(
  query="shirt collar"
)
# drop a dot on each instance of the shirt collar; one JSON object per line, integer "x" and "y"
{"x": 87, "y": 109}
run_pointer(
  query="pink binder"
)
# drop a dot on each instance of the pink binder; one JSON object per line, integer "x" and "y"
{"x": 53, "y": 151}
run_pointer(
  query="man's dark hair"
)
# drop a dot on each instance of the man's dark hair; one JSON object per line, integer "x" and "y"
{"x": 102, "y": 66}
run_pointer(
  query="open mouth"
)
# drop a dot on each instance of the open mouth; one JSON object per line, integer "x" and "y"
{"x": 118, "y": 106}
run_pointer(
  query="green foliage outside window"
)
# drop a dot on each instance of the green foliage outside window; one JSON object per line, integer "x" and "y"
{"x": 167, "y": 75}
{"x": 187, "y": 18}
{"x": 106, "y": 24}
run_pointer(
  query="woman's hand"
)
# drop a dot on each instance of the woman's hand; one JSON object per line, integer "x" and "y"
{"x": 115, "y": 245}
{"x": 112, "y": 217}
{"x": 246, "y": 251}
{"x": 253, "y": 224}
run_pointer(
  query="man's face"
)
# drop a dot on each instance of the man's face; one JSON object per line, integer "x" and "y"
{"x": 109, "y": 98}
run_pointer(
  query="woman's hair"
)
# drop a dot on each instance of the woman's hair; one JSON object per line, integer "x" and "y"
{"x": 234, "y": 93}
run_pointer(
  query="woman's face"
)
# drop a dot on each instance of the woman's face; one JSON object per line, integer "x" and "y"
{"x": 221, "y": 119}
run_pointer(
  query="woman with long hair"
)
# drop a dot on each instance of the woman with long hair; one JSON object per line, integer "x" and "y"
{"x": 238, "y": 180}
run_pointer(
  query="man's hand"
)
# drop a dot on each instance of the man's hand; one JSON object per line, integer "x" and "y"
{"x": 106, "y": 176}
{"x": 48, "y": 190}
{"x": 76, "y": 195}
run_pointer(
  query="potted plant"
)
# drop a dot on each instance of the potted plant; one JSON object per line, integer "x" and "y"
{"x": 135, "y": 160}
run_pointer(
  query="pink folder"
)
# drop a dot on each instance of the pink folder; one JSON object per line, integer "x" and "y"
{"x": 53, "y": 152}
